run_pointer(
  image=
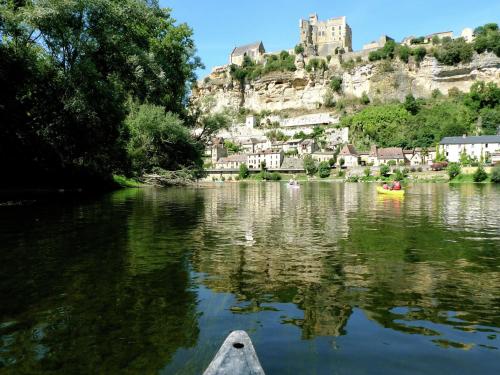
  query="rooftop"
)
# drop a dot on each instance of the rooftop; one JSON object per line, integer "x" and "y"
{"x": 348, "y": 150}
{"x": 233, "y": 158}
{"x": 470, "y": 140}
{"x": 238, "y": 51}
{"x": 390, "y": 153}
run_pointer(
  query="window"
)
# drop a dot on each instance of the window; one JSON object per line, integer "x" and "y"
{"x": 486, "y": 146}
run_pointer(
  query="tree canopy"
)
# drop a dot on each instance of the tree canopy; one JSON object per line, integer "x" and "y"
{"x": 71, "y": 68}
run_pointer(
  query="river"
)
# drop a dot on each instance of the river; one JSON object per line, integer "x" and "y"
{"x": 327, "y": 279}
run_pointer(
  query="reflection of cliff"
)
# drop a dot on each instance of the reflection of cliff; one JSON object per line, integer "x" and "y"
{"x": 120, "y": 301}
{"x": 331, "y": 247}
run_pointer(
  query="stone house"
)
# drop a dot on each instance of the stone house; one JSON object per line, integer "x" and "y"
{"x": 380, "y": 156}
{"x": 322, "y": 156}
{"x": 474, "y": 147}
{"x": 307, "y": 146}
{"x": 255, "y": 51}
{"x": 440, "y": 35}
{"x": 378, "y": 43}
{"x": 272, "y": 158}
{"x": 231, "y": 161}
{"x": 217, "y": 149}
{"x": 252, "y": 145}
{"x": 350, "y": 156}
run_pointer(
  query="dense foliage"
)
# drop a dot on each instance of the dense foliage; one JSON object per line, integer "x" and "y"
{"x": 250, "y": 70}
{"x": 453, "y": 170}
{"x": 324, "y": 169}
{"x": 68, "y": 71}
{"x": 310, "y": 165}
{"x": 422, "y": 123}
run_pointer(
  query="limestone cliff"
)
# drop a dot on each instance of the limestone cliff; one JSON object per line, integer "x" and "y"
{"x": 384, "y": 81}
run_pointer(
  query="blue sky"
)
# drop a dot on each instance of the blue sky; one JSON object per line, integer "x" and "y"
{"x": 220, "y": 25}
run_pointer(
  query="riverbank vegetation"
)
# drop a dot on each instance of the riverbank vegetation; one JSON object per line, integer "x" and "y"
{"x": 424, "y": 122}
{"x": 95, "y": 87}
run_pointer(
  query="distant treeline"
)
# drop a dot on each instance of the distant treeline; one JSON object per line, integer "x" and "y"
{"x": 93, "y": 87}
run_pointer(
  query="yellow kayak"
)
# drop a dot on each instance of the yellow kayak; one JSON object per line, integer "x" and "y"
{"x": 397, "y": 193}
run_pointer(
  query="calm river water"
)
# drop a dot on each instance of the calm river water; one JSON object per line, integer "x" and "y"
{"x": 328, "y": 279}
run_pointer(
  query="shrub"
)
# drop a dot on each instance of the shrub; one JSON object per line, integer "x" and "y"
{"x": 353, "y": 179}
{"x": 310, "y": 165}
{"x": 452, "y": 52}
{"x": 316, "y": 65}
{"x": 391, "y": 163}
{"x": 480, "y": 174}
{"x": 420, "y": 169}
{"x": 367, "y": 172}
{"x": 419, "y": 54}
{"x": 384, "y": 170}
{"x": 244, "y": 172}
{"x": 398, "y": 175}
{"x": 331, "y": 162}
{"x": 487, "y": 39}
{"x": 342, "y": 162}
{"x": 365, "y": 99}
{"x": 495, "y": 174}
{"x": 453, "y": 170}
{"x": 336, "y": 84}
{"x": 299, "y": 48}
{"x": 341, "y": 173}
{"x": 324, "y": 169}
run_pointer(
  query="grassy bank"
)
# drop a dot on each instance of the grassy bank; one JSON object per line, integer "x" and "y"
{"x": 468, "y": 179}
{"x": 125, "y": 182}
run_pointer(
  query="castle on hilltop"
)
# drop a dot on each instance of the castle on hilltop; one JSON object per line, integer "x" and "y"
{"x": 325, "y": 38}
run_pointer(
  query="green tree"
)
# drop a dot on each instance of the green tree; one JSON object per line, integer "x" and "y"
{"x": 299, "y": 48}
{"x": 453, "y": 51}
{"x": 244, "y": 172}
{"x": 411, "y": 104}
{"x": 384, "y": 170}
{"x": 324, "y": 169}
{"x": 453, "y": 170}
{"x": 159, "y": 139}
{"x": 480, "y": 174}
{"x": 336, "y": 84}
{"x": 310, "y": 165}
{"x": 73, "y": 70}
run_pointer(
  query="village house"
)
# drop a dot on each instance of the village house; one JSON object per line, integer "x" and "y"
{"x": 255, "y": 51}
{"x": 308, "y": 146}
{"x": 475, "y": 147}
{"x": 323, "y": 156}
{"x": 380, "y": 156}
{"x": 440, "y": 35}
{"x": 217, "y": 149}
{"x": 231, "y": 161}
{"x": 420, "y": 156}
{"x": 350, "y": 156}
{"x": 252, "y": 145}
{"x": 272, "y": 159}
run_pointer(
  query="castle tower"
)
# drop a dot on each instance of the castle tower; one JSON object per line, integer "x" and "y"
{"x": 325, "y": 37}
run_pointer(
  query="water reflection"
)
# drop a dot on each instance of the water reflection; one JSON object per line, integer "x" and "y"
{"x": 98, "y": 288}
{"x": 330, "y": 277}
{"x": 333, "y": 247}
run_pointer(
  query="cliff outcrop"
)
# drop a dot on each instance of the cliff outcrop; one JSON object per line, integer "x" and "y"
{"x": 382, "y": 81}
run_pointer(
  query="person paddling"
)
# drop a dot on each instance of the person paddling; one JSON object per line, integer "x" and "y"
{"x": 396, "y": 185}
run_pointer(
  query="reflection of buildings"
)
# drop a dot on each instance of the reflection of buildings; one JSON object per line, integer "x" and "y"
{"x": 330, "y": 247}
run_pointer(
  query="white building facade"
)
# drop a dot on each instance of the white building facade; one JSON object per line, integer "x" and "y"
{"x": 475, "y": 147}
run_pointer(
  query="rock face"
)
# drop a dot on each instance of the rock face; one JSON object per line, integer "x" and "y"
{"x": 384, "y": 81}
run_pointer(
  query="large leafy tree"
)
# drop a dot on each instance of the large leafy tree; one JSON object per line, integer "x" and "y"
{"x": 70, "y": 67}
